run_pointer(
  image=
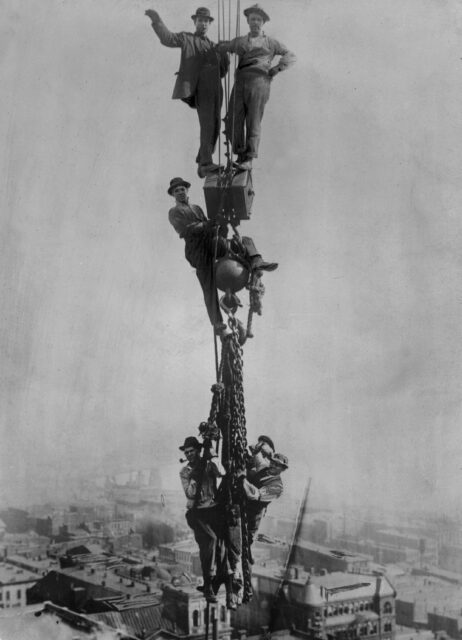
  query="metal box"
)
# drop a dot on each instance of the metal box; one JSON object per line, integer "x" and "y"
{"x": 232, "y": 199}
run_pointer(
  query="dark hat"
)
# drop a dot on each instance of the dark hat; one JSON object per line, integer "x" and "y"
{"x": 267, "y": 440}
{"x": 255, "y": 8}
{"x": 203, "y": 12}
{"x": 280, "y": 460}
{"x": 175, "y": 182}
{"x": 189, "y": 442}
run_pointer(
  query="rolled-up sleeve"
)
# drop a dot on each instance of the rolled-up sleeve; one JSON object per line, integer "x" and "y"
{"x": 272, "y": 490}
{"x": 287, "y": 58}
{"x": 188, "y": 483}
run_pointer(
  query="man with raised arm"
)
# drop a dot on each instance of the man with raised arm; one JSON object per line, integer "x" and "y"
{"x": 252, "y": 83}
{"x": 198, "y": 80}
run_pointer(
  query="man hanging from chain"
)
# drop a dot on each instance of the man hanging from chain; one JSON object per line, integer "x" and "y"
{"x": 203, "y": 244}
{"x": 203, "y": 513}
{"x": 263, "y": 482}
{"x": 198, "y": 80}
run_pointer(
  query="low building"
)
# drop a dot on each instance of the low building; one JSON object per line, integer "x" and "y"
{"x": 433, "y": 603}
{"x": 50, "y": 622}
{"x": 180, "y": 613}
{"x": 316, "y": 558}
{"x": 14, "y": 584}
{"x": 184, "y": 553}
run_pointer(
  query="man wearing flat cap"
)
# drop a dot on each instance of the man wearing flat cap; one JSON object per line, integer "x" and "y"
{"x": 263, "y": 482}
{"x": 202, "y": 245}
{"x": 198, "y": 80}
{"x": 203, "y": 514}
{"x": 252, "y": 83}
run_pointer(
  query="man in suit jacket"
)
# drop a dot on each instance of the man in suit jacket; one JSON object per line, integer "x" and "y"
{"x": 202, "y": 246}
{"x": 198, "y": 80}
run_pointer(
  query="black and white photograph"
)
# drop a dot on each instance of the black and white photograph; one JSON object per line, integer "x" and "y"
{"x": 231, "y": 320}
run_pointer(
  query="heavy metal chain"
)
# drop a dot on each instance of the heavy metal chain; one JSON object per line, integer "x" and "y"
{"x": 234, "y": 386}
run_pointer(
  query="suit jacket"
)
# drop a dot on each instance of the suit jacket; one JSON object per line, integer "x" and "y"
{"x": 191, "y": 223}
{"x": 198, "y": 57}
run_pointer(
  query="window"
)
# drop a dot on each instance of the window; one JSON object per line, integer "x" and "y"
{"x": 223, "y": 614}
{"x": 387, "y": 608}
{"x": 387, "y": 626}
{"x": 8, "y": 596}
{"x": 18, "y": 594}
{"x": 195, "y": 618}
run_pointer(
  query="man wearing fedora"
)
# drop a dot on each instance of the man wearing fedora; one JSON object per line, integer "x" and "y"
{"x": 252, "y": 83}
{"x": 203, "y": 245}
{"x": 203, "y": 514}
{"x": 198, "y": 80}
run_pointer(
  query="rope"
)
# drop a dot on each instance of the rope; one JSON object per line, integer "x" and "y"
{"x": 215, "y": 337}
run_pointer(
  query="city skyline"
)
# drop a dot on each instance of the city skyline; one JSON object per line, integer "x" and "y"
{"x": 107, "y": 354}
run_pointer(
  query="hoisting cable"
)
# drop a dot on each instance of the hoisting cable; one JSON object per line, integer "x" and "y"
{"x": 238, "y": 19}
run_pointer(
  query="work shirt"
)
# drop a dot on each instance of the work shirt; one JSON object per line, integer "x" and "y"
{"x": 192, "y": 477}
{"x": 256, "y": 54}
{"x": 263, "y": 485}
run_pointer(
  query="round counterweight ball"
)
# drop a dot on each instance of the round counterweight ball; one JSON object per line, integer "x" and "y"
{"x": 230, "y": 274}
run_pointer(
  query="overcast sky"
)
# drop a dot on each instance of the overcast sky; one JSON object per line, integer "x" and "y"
{"x": 106, "y": 351}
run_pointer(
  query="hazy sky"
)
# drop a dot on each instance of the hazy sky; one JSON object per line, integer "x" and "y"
{"x": 106, "y": 351}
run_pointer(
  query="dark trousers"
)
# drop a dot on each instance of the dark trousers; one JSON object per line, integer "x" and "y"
{"x": 255, "y": 511}
{"x": 208, "y": 100}
{"x": 246, "y": 106}
{"x": 205, "y": 271}
{"x": 206, "y": 524}
{"x": 206, "y": 277}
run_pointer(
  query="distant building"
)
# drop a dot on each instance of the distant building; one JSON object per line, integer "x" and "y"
{"x": 14, "y": 583}
{"x": 428, "y": 602}
{"x": 316, "y": 558}
{"x": 336, "y": 606}
{"x": 451, "y": 557}
{"x": 184, "y": 553}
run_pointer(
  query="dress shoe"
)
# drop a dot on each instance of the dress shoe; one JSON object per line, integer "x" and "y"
{"x": 204, "y": 170}
{"x": 261, "y": 265}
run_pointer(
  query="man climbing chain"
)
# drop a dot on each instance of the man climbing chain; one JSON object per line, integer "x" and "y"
{"x": 205, "y": 241}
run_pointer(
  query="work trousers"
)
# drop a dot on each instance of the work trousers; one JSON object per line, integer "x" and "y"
{"x": 207, "y": 526}
{"x": 247, "y": 103}
{"x": 255, "y": 511}
{"x": 205, "y": 269}
{"x": 208, "y": 100}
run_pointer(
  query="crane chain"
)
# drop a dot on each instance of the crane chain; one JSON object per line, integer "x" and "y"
{"x": 238, "y": 447}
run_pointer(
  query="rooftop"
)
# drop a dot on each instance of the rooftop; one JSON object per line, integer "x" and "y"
{"x": 98, "y": 575}
{"x": 10, "y": 574}
{"x": 340, "y": 554}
